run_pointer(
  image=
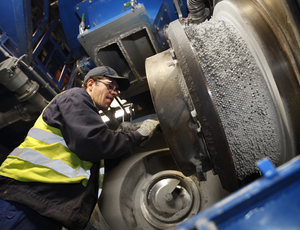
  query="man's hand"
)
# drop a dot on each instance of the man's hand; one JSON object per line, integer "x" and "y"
{"x": 127, "y": 126}
{"x": 147, "y": 129}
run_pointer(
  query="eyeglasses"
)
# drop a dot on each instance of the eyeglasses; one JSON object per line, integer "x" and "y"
{"x": 110, "y": 85}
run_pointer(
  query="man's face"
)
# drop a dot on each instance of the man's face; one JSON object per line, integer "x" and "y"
{"x": 101, "y": 93}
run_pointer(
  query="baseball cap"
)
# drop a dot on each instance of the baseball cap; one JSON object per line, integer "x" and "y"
{"x": 106, "y": 71}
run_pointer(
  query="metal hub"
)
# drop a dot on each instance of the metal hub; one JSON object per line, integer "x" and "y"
{"x": 169, "y": 199}
{"x": 146, "y": 191}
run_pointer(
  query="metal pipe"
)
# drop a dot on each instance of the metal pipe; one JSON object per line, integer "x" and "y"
{"x": 37, "y": 76}
{"x": 45, "y": 38}
{"x": 6, "y": 54}
{"x": 25, "y": 111}
{"x": 41, "y": 80}
{"x": 9, "y": 117}
{"x": 26, "y": 91}
{"x": 133, "y": 4}
{"x": 197, "y": 10}
{"x": 178, "y": 10}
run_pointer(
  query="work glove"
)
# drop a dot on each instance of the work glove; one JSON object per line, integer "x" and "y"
{"x": 147, "y": 129}
{"x": 127, "y": 126}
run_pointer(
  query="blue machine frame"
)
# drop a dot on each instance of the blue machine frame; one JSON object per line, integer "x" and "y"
{"x": 21, "y": 36}
{"x": 271, "y": 202}
{"x": 102, "y": 12}
{"x": 16, "y": 24}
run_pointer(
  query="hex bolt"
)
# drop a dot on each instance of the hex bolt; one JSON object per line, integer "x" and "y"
{"x": 172, "y": 54}
{"x": 168, "y": 197}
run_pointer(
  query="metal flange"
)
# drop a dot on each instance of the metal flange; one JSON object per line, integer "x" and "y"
{"x": 199, "y": 91}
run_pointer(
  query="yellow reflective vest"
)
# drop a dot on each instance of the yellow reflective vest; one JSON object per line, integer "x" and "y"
{"x": 45, "y": 157}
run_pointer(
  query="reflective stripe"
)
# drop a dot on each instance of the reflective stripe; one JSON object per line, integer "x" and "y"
{"x": 37, "y": 158}
{"x": 45, "y": 136}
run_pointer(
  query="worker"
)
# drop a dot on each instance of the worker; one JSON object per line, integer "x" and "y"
{"x": 51, "y": 179}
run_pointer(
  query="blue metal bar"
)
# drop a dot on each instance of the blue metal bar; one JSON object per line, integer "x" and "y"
{"x": 71, "y": 79}
{"x": 48, "y": 57}
{"x": 36, "y": 23}
{"x": 7, "y": 43}
{"x": 55, "y": 67}
{"x": 3, "y": 37}
{"x": 58, "y": 49}
{"x": 63, "y": 72}
{"x": 62, "y": 76}
{"x": 45, "y": 38}
{"x": 38, "y": 32}
{"x": 38, "y": 64}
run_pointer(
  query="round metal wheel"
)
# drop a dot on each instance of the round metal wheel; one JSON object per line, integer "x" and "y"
{"x": 169, "y": 198}
{"x": 147, "y": 191}
{"x": 226, "y": 92}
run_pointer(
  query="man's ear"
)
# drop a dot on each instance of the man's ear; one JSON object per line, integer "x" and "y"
{"x": 90, "y": 84}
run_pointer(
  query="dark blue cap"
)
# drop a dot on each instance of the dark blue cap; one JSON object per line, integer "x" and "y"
{"x": 106, "y": 71}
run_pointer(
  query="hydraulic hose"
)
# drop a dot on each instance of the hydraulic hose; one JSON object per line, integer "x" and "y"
{"x": 197, "y": 10}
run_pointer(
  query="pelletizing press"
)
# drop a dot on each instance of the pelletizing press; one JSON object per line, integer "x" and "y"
{"x": 222, "y": 77}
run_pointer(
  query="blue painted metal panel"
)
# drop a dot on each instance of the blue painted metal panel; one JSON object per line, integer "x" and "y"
{"x": 104, "y": 11}
{"x": 70, "y": 22}
{"x": 98, "y": 12}
{"x": 15, "y": 20}
{"x": 9, "y": 45}
{"x": 271, "y": 202}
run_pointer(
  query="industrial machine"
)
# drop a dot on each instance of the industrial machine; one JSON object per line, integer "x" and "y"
{"x": 222, "y": 77}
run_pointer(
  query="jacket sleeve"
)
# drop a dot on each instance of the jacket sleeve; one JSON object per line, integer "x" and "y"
{"x": 84, "y": 131}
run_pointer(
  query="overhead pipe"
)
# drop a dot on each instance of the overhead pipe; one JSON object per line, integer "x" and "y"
{"x": 198, "y": 12}
{"x": 37, "y": 76}
{"x": 179, "y": 13}
{"x": 9, "y": 117}
{"x": 26, "y": 91}
{"x": 133, "y": 4}
{"x": 24, "y": 111}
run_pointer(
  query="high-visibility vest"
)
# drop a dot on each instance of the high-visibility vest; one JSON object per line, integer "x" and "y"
{"x": 45, "y": 157}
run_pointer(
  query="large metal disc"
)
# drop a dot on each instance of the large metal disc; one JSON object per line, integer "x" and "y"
{"x": 147, "y": 191}
{"x": 239, "y": 78}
